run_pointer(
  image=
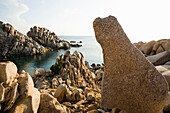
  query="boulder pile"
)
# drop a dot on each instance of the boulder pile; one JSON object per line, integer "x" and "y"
{"x": 46, "y": 38}
{"x": 72, "y": 86}
{"x": 72, "y": 83}
{"x": 153, "y": 47}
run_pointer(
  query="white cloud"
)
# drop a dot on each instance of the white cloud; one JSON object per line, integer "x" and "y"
{"x": 42, "y": 1}
{"x": 15, "y": 9}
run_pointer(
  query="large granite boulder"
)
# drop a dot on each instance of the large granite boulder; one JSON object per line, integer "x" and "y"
{"x": 159, "y": 59}
{"x": 60, "y": 92}
{"x": 49, "y": 104}
{"x": 8, "y": 70}
{"x": 147, "y": 47}
{"x": 130, "y": 82}
{"x": 29, "y": 97}
{"x": 28, "y": 104}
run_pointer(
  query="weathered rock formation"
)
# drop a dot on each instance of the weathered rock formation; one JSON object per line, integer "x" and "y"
{"x": 71, "y": 82}
{"x": 14, "y": 43}
{"x": 60, "y": 90}
{"x": 18, "y": 95}
{"x": 46, "y": 38}
{"x": 39, "y": 40}
{"x": 130, "y": 82}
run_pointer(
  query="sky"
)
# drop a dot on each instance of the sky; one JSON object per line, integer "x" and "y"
{"x": 142, "y": 20}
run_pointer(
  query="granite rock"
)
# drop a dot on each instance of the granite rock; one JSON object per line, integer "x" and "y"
{"x": 135, "y": 86}
{"x": 8, "y": 70}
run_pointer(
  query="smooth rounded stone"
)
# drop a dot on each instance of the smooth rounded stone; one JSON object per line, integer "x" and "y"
{"x": 166, "y": 66}
{"x": 160, "y": 50}
{"x": 131, "y": 82}
{"x": 161, "y": 69}
{"x": 28, "y": 104}
{"x": 39, "y": 71}
{"x": 159, "y": 59}
{"x": 167, "y": 63}
{"x": 147, "y": 47}
{"x": 167, "y": 104}
{"x": 166, "y": 45}
{"x": 60, "y": 92}
{"x": 93, "y": 111}
{"x": 156, "y": 46}
{"x": 139, "y": 44}
{"x": 49, "y": 104}
{"x": 8, "y": 71}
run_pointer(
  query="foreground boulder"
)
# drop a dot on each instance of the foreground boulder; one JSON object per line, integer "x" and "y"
{"x": 49, "y": 104}
{"x": 131, "y": 82}
{"x": 8, "y": 70}
{"x": 17, "y": 91}
{"x": 28, "y": 104}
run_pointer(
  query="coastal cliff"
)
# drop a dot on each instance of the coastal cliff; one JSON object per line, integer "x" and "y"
{"x": 39, "y": 40}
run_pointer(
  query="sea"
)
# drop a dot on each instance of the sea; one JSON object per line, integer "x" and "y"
{"x": 90, "y": 49}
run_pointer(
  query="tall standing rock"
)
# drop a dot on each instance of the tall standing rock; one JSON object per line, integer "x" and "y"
{"x": 131, "y": 82}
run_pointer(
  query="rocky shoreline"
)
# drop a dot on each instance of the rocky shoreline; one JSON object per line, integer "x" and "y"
{"x": 72, "y": 86}
{"x": 38, "y": 41}
{"x": 131, "y": 80}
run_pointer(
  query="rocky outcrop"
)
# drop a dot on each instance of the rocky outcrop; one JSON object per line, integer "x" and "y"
{"x": 153, "y": 47}
{"x": 39, "y": 40}
{"x": 13, "y": 43}
{"x": 46, "y": 38}
{"x": 131, "y": 82}
{"x": 75, "y": 44}
{"x": 19, "y": 95}
{"x": 72, "y": 83}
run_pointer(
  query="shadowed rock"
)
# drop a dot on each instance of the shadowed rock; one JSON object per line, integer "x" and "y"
{"x": 130, "y": 82}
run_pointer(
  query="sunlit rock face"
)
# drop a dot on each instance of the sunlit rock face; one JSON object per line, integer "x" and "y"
{"x": 39, "y": 40}
{"x": 13, "y": 43}
{"x": 46, "y": 38}
{"x": 130, "y": 82}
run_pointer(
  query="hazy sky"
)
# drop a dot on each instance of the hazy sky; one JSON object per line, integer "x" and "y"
{"x": 141, "y": 19}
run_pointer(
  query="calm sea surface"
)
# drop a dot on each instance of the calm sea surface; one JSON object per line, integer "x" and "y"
{"x": 90, "y": 49}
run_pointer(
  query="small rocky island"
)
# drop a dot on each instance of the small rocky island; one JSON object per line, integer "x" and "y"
{"x": 131, "y": 80}
{"x": 38, "y": 41}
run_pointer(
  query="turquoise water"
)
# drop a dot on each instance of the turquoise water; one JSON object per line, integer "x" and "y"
{"x": 91, "y": 50}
